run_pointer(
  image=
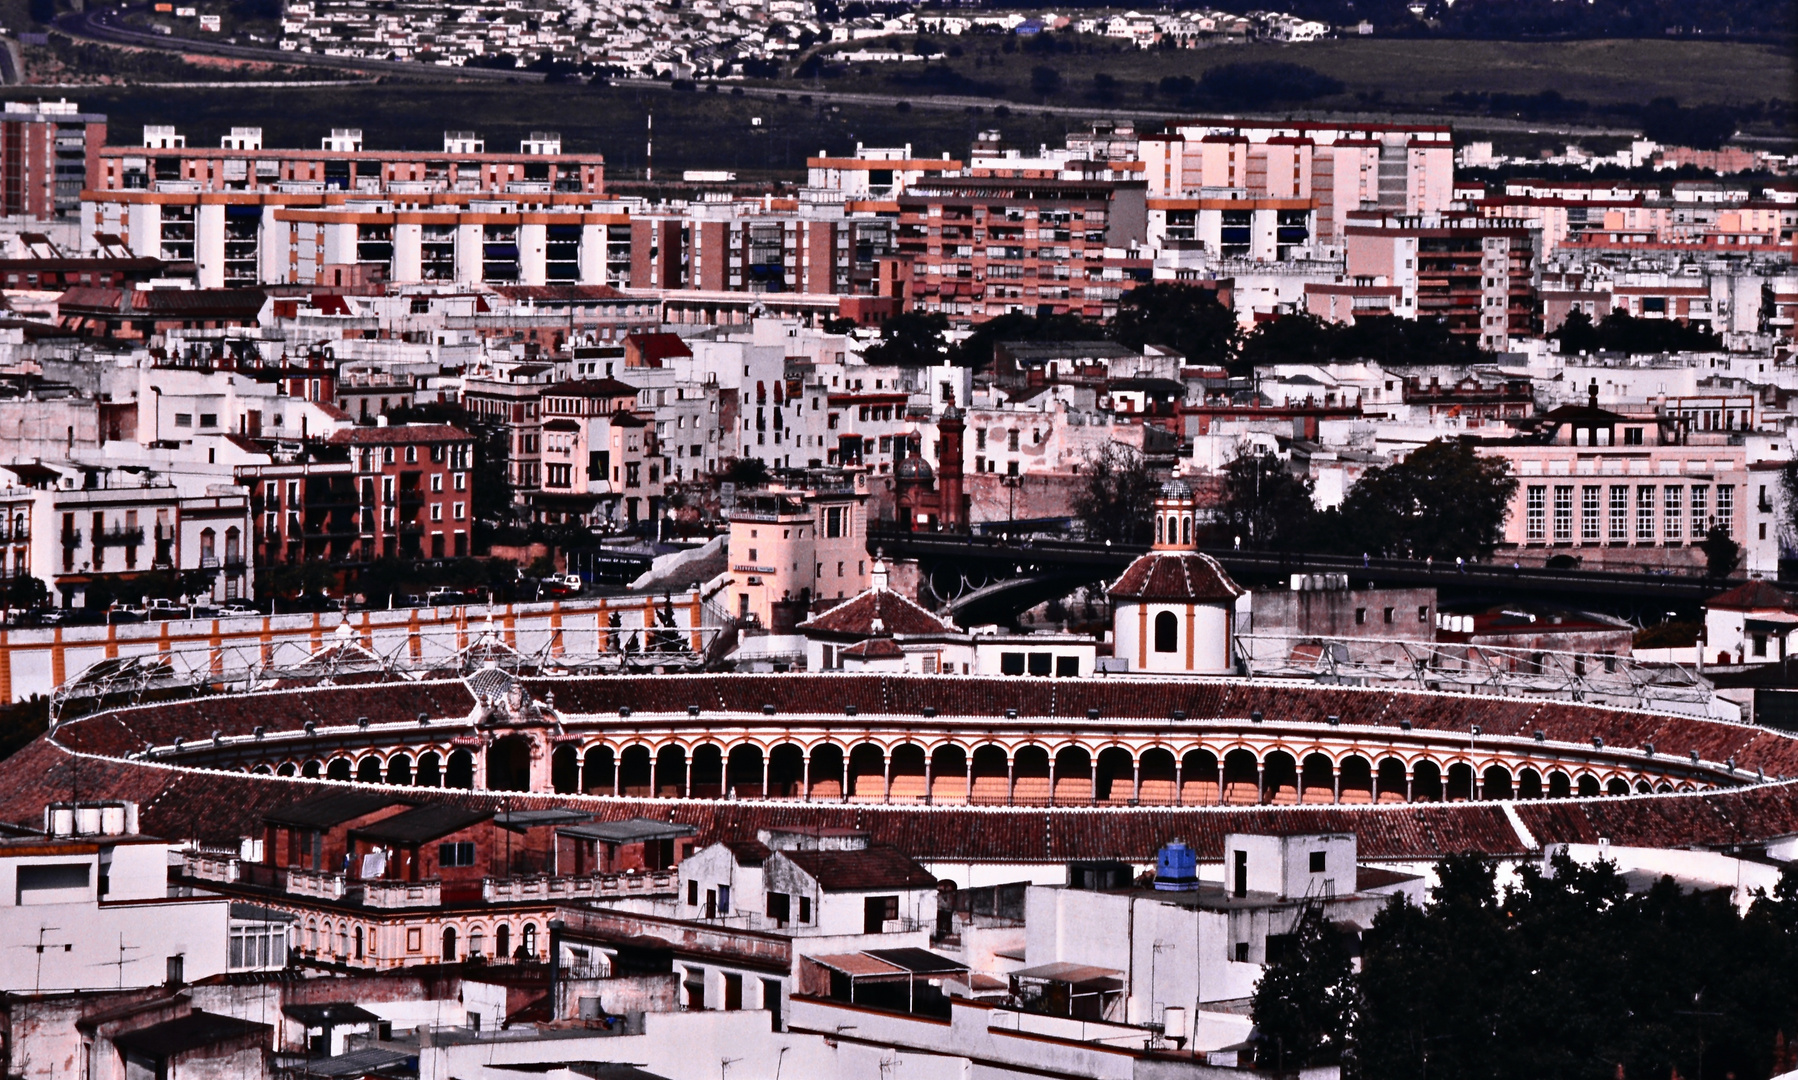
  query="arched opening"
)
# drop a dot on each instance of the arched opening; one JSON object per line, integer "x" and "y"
{"x": 1560, "y": 785}
{"x": 743, "y": 772}
{"x": 786, "y": 771}
{"x": 599, "y": 770}
{"x": 368, "y": 770}
{"x": 1426, "y": 782}
{"x": 706, "y": 773}
{"x": 1280, "y": 779}
{"x": 949, "y": 774}
{"x": 339, "y": 769}
{"x": 356, "y": 936}
{"x": 1200, "y": 781}
{"x": 449, "y": 944}
{"x": 1589, "y": 787}
{"x": 905, "y": 774}
{"x": 1390, "y": 785}
{"x": 1073, "y": 777}
{"x": 565, "y": 770}
{"x": 1616, "y": 785}
{"x": 399, "y": 770}
{"x": 1495, "y": 783}
{"x": 312, "y": 770}
{"x": 1317, "y": 780}
{"x": 263, "y": 770}
{"x": 286, "y": 769}
{"x": 527, "y": 945}
{"x": 1643, "y": 787}
{"x": 1242, "y": 778}
{"x": 1460, "y": 782}
{"x": 1030, "y": 776}
{"x": 460, "y": 772}
{"x": 671, "y": 772}
{"x": 430, "y": 770}
{"x": 989, "y": 776}
{"x": 509, "y": 764}
{"x": 636, "y": 771}
{"x": 1529, "y": 784}
{"x": 502, "y": 942}
{"x": 477, "y": 943}
{"x": 1114, "y": 779}
{"x": 1155, "y": 778}
{"x": 1167, "y": 632}
{"x": 1664, "y": 788}
{"x": 827, "y": 772}
{"x": 867, "y": 773}
{"x": 1356, "y": 781}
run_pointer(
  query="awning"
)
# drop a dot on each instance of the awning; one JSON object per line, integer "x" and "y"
{"x": 330, "y": 1014}
{"x": 631, "y": 831}
{"x": 859, "y": 965}
{"x": 1075, "y": 974}
{"x": 919, "y": 961}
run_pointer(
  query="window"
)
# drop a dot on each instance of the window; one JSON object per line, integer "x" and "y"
{"x": 1760, "y": 644}
{"x": 780, "y": 907}
{"x": 877, "y": 911}
{"x": 1360, "y": 616}
{"x": 1011, "y": 663}
{"x": 1167, "y": 632}
{"x": 833, "y": 522}
{"x": 1700, "y": 505}
{"x": 1589, "y": 527}
{"x": 805, "y": 909}
{"x": 1388, "y": 616}
{"x": 1318, "y": 860}
{"x": 1645, "y": 514}
{"x": 1619, "y": 514}
{"x": 1067, "y": 667}
{"x": 1726, "y": 508}
{"x": 1041, "y": 663}
{"x": 184, "y": 419}
{"x": 1563, "y": 514}
{"x": 1632, "y": 436}
{"x": 724, "y": 899}
{"x": 502, "y": 941}
{"x": 692, "y": 894}
{"x": 1423, "y": 614}
{"x": 456, "y": 854}
{"x": 1671, "y": 512}
{"x": 1535, "y": 499}
{"x": 208, "y": 419}
{"x": 449, "y": 944}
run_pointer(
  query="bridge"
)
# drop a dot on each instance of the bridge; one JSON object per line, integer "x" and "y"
{"x": 992, "y": 579}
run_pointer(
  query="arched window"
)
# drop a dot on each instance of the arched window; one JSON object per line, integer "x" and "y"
{"x": 449, "y": 944}
{"x": 343, "y": 940}
{"x": 358, "y": 943}
{"x": 1185, "y": 530}
{"x": 475, "y": 941}
{"x": 502, "y": 941}
{"x": 529, "y": 941}
{"x": 312, "y": 934}
{"x": 208, "y": 548}
{"x": 233, "y": 540}
{"x": 1167, "y": 632}
{"x": 1158, "y": 524}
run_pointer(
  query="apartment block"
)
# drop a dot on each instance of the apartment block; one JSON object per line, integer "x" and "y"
{"x": 47, "y": 152}
{"x": 1478, "y": 275}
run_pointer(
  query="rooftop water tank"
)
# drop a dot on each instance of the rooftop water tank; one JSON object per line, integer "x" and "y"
{"x": 1176, "y": 867}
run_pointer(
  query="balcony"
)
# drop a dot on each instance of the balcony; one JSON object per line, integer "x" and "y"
{"x": 318, "y": 884}
{"x": 542, "y": 888}
{"x": 204, "y": 867}
{"x": 402, "y": 894}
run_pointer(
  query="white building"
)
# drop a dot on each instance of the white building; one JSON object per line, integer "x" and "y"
{"x": 1174, "y": 609}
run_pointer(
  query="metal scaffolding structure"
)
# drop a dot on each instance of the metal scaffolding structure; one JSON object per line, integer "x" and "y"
{"x": 1590, "y": 678}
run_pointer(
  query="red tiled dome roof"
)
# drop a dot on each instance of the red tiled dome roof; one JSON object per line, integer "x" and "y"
{"x": 897, "y": 615}
{"x": 1178, "y": 576}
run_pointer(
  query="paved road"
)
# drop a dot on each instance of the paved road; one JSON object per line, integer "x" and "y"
{"x": 105, "y": 25}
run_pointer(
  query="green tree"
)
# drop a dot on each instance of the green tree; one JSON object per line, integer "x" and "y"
{"x": 1186, "y": 318}
{"x": 27, "y": 592}
{"x": 911, "y": 339}
{"x": 1306, "y": 1002}
{"x": 746, "y": 472}
{"x": 1289, "y": 339}
{"x": 1117, "y": 500}
{"x": 1443, "y": 501}
{"x": 1264, "y": 504}
{"x": 1721, "y": 554}
{"x": 1044, "y": 81}
{"x": 976, "y": 350}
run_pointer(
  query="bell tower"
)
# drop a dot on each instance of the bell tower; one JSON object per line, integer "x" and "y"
{"x": 1174, "y": 525}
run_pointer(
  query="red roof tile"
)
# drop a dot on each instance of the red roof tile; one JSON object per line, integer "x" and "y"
{"x": 1176, "y": 576}
{"x": 1756, "y": 595}
{"x": 897, "y": 615}
{"x": 399, "y": 433}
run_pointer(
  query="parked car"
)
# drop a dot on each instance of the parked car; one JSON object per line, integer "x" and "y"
{"x": 238, "y": 608}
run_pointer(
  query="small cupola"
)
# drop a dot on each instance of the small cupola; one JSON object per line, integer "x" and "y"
{"x": 1174, "y": 517}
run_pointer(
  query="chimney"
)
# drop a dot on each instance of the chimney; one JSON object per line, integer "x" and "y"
{"x": 1592, "y": 394}
{"x": 878, "y": 578}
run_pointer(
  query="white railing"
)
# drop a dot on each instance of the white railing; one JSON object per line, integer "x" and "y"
{"x": 205, "y": 867}
{"x": 315, "y": 883}
{"x": 544, "y": 888}
{"x": 402, "y": 894}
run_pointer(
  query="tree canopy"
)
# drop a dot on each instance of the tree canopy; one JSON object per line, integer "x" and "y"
{"x": 911, "y": 339}
{"x": 1395, "y": 342}
{"x": 1443, "y": 501}
{"x": 1185, "y": 318}
{"x": 1622, "y": 332}
{"x": 1264, "y": 504}
{"x": 1117, "y": 500}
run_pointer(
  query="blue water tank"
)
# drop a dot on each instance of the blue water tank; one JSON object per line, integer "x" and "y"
{"x": 1176, "y": 867}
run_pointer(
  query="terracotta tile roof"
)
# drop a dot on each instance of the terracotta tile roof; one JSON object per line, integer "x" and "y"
{"x": 1176, "y": 576}
{"x": 1756, "y": 595}
{"x": 876, "y": 649}
{"x": 399, "y": 433}
{"x": 873, "y": 867}
{"x": 897, "y": 615}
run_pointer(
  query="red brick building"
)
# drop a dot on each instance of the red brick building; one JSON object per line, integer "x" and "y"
{"x": 412, "y": 489}
{"x": 984, "y": 246}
